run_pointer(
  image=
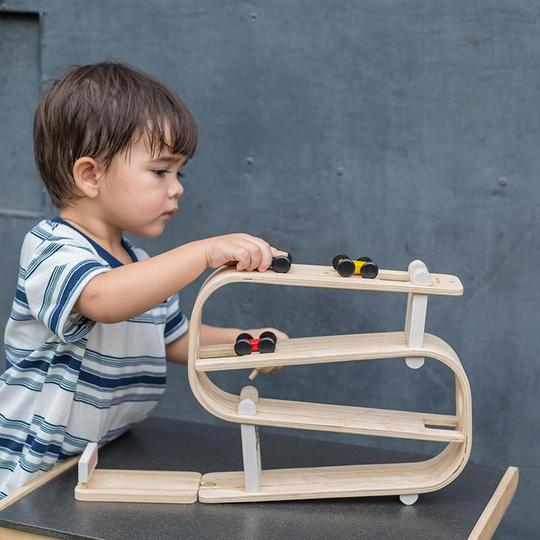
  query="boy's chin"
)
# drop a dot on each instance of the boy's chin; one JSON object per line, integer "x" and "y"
{"x": 149, "y": 231}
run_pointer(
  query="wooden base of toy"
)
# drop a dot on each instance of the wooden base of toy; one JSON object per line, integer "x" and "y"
{"x": 330, "y": 482}
{"x": 112, "y": 485}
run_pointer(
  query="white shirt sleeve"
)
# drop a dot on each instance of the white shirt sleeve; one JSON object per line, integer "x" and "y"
{"x": 55, "y": 275}
{"x": 176, "y": 324}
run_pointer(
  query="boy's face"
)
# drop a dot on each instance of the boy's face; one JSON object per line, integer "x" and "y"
{"x": 139, "y": 189}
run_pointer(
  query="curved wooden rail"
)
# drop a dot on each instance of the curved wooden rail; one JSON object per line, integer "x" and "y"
{"x": 342, "y": 481}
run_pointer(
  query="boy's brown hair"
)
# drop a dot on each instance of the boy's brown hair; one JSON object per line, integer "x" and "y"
{"x": 100, "y": 110}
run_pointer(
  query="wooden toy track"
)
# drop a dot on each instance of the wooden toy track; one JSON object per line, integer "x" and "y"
{"x": 404, "y": 479}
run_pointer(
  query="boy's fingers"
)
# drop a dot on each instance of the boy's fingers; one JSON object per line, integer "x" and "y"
{"x": 244, "y": 259}
{"x": 276, "y": 252}
{"x": 256, "y": 254}
{"x": 245, "y": 252}
{"x": 251, "y": 256}
{"x": 267, "y": 252}
{"x": 264, "y": 253}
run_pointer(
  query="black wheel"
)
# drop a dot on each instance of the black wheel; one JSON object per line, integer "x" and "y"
{"x": 337, "y": 258}
{"x": 267, "y": 344}
{"x": 345, "y": 268}
{"x": 365, "y": 259}
{"x": 244, "y": 335}
{"x": 281, "y": 264}
{"x": 242, "y": 347}
{"x": 369, "y": 270}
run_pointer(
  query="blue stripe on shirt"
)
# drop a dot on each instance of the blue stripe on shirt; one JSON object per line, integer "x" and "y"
{"x": 174, "y": 323}
{"x": 77, "y": 275}
{"x": 121, "y": 382}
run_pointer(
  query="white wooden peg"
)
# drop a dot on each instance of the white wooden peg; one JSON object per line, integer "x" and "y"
{"x": 87, "y": 463}
{"x": 251, "y": 450}
{"x": 415, "y": 320}
{"x": 419, "y": 274}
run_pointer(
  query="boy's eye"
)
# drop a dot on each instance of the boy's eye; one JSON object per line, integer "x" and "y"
{"x": 161, "y": 172}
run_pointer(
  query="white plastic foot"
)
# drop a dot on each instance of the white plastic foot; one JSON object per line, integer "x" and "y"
{"x": 408, "y": 500}
{"x": 414, "y": 363}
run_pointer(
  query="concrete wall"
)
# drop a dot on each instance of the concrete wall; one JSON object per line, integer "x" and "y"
{"x": 394, "y": 129}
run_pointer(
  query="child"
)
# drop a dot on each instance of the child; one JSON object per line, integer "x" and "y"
{"x": 94, "y": 317}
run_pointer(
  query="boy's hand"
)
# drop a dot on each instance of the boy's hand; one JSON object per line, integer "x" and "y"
{"x": 243, "y": 250}
{"x": 280, "y": 337}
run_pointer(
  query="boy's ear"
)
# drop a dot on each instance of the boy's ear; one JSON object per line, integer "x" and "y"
{"x": 87, "y": 173}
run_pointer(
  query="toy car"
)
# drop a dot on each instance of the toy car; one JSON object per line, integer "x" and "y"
{"x": 364, "y": 266}
{"x": 280, "y": 264}
{"x": 246, "y": 343}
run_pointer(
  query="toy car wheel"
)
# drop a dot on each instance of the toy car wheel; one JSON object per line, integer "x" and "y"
{"x": 242, "y": 347}
{"x": 267, "y": 343}
{"x": 369, "y": 270}
{"x": 281, "y": 264}
{"x": 365, "y": 259}
{"x": 345, "y": 268}
{"x": 337, "y": 258}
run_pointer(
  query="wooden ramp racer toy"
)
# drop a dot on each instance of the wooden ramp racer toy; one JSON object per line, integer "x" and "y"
{"x": 250, "y": 410}
{"x": 407, "y": 480}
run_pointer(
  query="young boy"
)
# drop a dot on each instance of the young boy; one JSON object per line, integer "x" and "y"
{"x": 94, "y": 317}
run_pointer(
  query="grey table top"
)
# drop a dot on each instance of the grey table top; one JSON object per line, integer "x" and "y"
{"x": 163, "y": 444}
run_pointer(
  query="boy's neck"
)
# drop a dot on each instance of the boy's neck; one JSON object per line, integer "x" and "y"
{"x": 107, "y": 236}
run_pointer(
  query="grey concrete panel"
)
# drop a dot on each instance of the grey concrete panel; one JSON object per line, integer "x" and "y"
{"x": 20, "y": 187}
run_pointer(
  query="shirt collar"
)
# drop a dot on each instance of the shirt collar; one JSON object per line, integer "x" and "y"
{"x": 111, "y": 259}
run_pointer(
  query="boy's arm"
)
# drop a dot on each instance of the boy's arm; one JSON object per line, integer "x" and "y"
{"x": 177, "y": 351}
{"x": 134, "y": 288}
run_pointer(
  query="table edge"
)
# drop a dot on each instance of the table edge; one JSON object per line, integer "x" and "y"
{"x": 496, "y": 507}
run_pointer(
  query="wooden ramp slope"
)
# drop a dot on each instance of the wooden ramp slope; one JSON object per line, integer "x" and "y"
{"x": 404, "y": 479}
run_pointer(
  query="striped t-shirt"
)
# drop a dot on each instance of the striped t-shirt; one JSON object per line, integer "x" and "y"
{"x": 70, "y": 380}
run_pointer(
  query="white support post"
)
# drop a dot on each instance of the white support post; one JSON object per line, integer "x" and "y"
{"x": 251, "y": 450}
{"x": 87, "y": 463}
{"x": 415, "y": 320}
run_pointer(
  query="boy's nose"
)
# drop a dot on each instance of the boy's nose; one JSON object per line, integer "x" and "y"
{"x": 177, "y": 190}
